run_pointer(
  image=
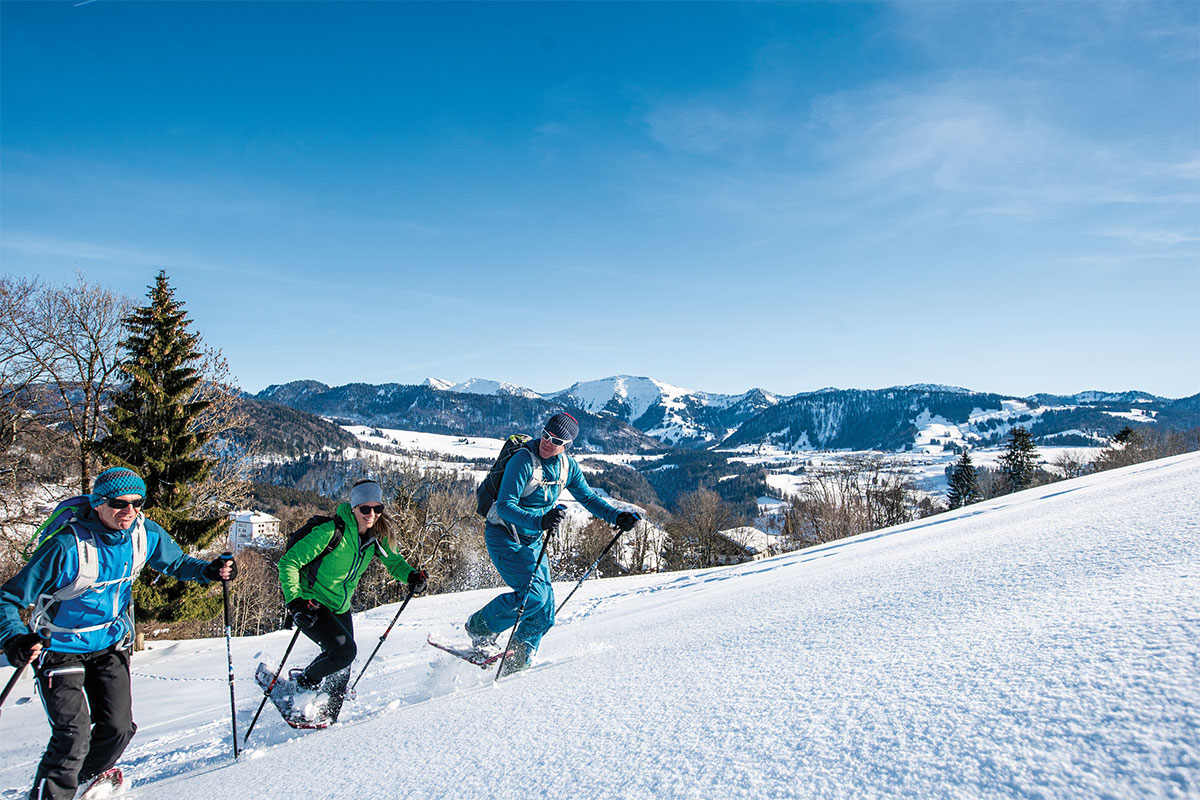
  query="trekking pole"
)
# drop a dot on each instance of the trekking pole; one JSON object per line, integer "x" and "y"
{"x": 595, "y": 563}
{"x": 381, "y": 639}
{"x": 267, "y": 692}
{"x": 525, "y": 599}
{"x": 229, "y": 657}
{"x": 44, "y": 634}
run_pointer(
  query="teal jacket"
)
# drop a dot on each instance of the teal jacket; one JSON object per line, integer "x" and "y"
{"x": 342, "y": 569}
{"x": 524, "y": 514}
{"x": 105, "y": 609}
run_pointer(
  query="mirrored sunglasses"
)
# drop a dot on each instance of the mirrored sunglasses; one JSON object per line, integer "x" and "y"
{"x": 377, "y": 510}
{"x": 117, "y": 505}
{"x": 554, "y": 440}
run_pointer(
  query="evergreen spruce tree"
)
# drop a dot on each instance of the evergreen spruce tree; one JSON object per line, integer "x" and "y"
{"x": 964, "y": 483}
{"x": 1018, "y": 464}
{"x": 152, "y": 430}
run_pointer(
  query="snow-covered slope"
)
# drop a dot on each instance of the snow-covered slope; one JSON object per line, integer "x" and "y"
{"x": 1043, "y": 644}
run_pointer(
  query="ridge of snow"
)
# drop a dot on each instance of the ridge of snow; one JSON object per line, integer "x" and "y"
{"x": 486, "y": 386}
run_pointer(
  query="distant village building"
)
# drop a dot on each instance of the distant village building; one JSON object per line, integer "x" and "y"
{"x": 252, "y": 529}
{"x": 739, "y": 545}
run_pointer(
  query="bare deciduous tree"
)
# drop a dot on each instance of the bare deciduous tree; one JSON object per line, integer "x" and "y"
{"x": 693, "y": 541}
{"x": 862, "y": 494}
{"x": 225, "y": 420}
{"x": 1073, "y": 464}
{"x": 68, "y": 339}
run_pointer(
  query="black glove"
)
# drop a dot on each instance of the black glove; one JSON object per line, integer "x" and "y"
{"x": 417, "y": 579}
{"x": 304, "y": 612}
{"x": 626, "y": 520}
{"x": 213, "y": 570}
{"x": 552, "y": 517}
{"x": 19, "y": 648}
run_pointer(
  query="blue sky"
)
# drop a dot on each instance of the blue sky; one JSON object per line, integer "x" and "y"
{"x": 1001, "y": 196}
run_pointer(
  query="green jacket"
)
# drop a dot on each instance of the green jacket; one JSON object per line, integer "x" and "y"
{"x": 341, "y": 570}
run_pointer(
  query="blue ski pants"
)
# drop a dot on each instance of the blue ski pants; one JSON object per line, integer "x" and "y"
{"x": 514, "y": 560}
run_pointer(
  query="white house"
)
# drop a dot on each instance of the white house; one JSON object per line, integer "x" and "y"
{"x": 738, "y": 545}
{"x": 248, "y": 528}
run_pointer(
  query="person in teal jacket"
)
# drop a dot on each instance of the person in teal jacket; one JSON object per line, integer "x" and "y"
{"x": 82, "y": 672}
{"x": 525, "y": 510}
{"x": 319, "y": 599}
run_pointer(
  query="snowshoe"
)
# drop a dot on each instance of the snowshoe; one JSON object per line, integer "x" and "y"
{"x": 299, "y": 707}
{"x": 479, "y": 656}
{"x": 109, "y": 783}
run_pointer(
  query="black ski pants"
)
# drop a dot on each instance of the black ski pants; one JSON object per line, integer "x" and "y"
{"x": 334, "y": 633}
{"x": 87, "y": 700}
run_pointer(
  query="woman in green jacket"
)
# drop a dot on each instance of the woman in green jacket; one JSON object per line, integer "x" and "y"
{"x": 318, "y": 594}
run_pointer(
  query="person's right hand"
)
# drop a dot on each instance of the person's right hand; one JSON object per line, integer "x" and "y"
{"x": 552, "y": 517}
{"x": 304, "y": 612}
{"x": 23, "y": 648}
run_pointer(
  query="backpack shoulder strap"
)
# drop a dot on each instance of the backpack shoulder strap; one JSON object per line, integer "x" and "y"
{"x": 535, "y": 480}
{"x": 141, "y": 548}
{"x": 564, "y": 469}
{"x": 89, "y": 563}
{"x": 309, "y": 570}
{"x": 339, "y": 530}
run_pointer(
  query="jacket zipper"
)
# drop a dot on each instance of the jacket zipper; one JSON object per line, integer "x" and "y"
{"x": 353, "y": 571}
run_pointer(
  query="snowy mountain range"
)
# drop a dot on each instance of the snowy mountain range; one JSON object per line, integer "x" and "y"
{"x": 638, "y": 414}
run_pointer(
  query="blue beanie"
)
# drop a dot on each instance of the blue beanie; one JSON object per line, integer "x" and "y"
{"x": 115, "y": 482}
{"x": 564, "y": 426}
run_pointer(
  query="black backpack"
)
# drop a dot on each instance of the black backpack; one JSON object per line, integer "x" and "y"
{"x": 489, "y": 490}
{"x": 309, "y": 570}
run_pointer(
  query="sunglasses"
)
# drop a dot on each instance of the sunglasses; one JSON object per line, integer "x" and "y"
{"x": 376, "y": 510}
{"x": 554, "y": 440}
{"x": 117, "y": 505}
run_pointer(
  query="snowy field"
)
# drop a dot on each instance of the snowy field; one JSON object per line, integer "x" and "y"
{"x": 1045, "y": 644}
{"x": 475, "y": 447}
{"x": 926, "y": 467}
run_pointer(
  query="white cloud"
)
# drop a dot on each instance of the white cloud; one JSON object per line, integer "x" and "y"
{"x": 704, "y": 128}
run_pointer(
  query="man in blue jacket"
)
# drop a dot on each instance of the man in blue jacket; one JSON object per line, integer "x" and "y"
{"x": 525, "y": 510}
{"x": 82, "y": 671}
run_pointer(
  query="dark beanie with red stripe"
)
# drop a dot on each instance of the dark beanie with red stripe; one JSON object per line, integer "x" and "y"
{"x": 564, "y": 426}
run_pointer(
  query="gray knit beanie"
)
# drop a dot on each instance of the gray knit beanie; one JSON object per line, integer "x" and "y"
{"x": 366, "y": 491}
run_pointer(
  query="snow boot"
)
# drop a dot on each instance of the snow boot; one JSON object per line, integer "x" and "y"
{"x": 296, "y": 676}
{"x": 481, "y": 637}
{"x": 520, "y": 658}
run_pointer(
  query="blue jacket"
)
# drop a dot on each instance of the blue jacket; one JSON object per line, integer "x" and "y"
{"x": 524, "y": 514}
{"x": 107, "y": 607}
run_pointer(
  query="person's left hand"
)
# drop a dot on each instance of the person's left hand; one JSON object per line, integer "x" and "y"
{"x": 417, "y": 580}
{"x": 221, "y": 568}
{"x": 626, "y": 520}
